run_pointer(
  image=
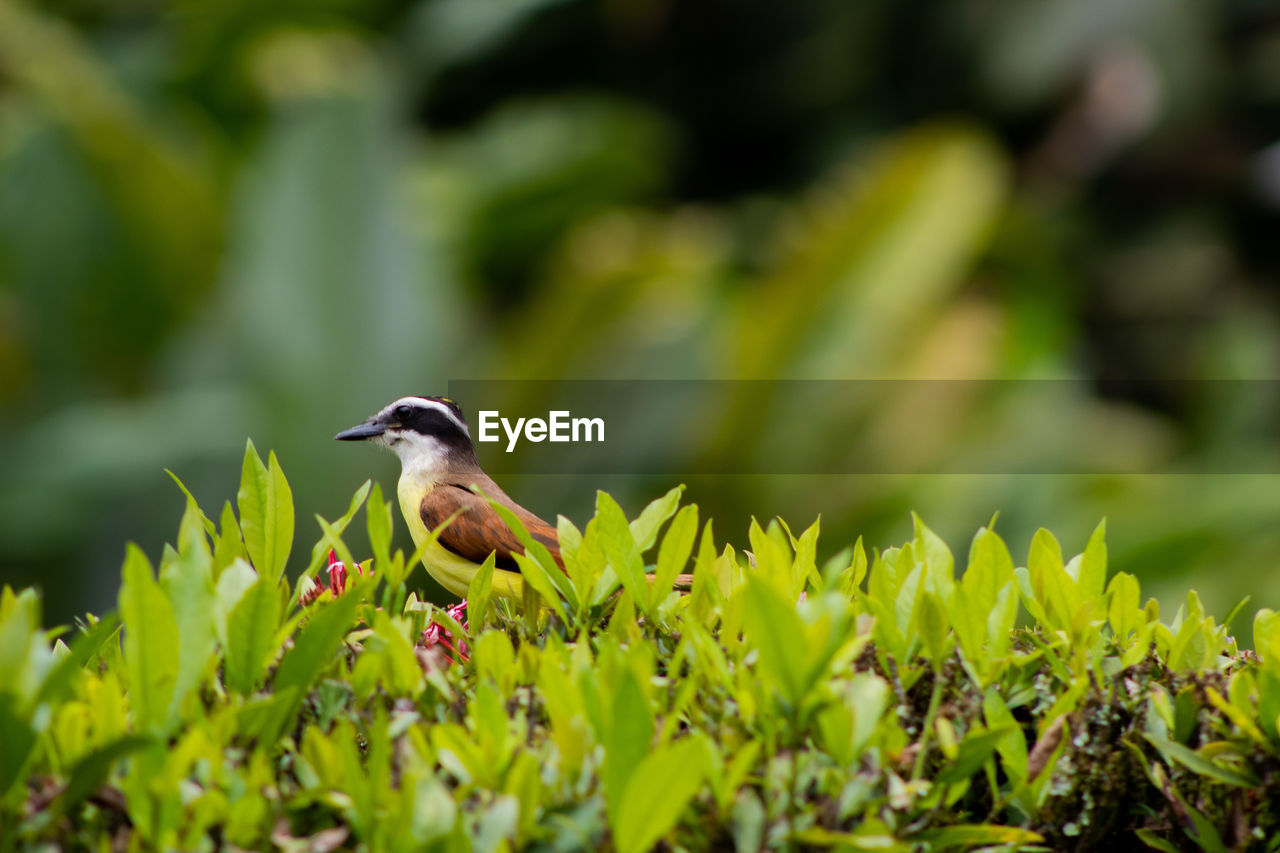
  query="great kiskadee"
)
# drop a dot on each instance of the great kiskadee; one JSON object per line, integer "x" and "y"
{"x": 438, "y": 467}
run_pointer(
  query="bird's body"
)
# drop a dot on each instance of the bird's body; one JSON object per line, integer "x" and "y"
{"x": 450, "y": 570}
{"x": 438, "y": 472}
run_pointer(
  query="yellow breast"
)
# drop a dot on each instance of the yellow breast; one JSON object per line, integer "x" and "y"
{"x": 454, "y": 573}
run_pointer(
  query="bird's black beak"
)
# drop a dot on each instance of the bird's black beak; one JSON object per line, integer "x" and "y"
{"x": 368, "y": 429}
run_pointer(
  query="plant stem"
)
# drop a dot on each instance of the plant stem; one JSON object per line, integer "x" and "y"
{"x": 927, "y": 728}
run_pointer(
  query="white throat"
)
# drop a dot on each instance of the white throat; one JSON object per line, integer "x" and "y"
{"x": 423, "y": 458}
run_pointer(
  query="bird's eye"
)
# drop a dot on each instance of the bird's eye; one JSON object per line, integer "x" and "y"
{"x": 403, "y": 412}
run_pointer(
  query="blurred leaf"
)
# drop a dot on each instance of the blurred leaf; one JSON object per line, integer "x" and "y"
{"x": 776, "y": 630}
{"x": 188, "y": 583}
{"x": 975, "y": 749}
{"x": 91, "y": 771}
{"x": 313, "y": 652}
{"x": 965, "y": 835}
{"x": 627, "y": 739}
{"x": 1197, "y": 763}
{"x": 151, "y": 641}
{"x": 18, "y": 739}
{"x": 83, "y": 649}
{"x": 251, "y": 632}
{"x": 457, "y": 30}
{"x": 659, "y": 791}
{"x": 378, "y": 519}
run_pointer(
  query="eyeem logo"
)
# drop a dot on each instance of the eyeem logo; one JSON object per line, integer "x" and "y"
{"x": 558, "y": 427}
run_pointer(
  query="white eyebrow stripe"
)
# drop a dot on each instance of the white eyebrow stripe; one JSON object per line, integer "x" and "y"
{"x": 429, "y": 404}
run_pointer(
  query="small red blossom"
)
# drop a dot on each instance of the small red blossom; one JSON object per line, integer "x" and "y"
{"x": 312, "y": 590}
{"x": 435, "y": 634}
{"x": 337, "y": 574}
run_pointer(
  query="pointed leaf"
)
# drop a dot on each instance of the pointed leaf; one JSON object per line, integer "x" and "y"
{"x": 659, "y": 791}
{"x": 677, "y": 545}
{"x": 644, "y": 530}
{"x": 775, "y": 629}
{"x": 251, "y": 633}
{"x": 150, "y": 641}
{"x": 266, "y": 513}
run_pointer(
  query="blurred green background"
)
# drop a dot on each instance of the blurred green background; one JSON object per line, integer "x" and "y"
{"x": 231, "y": 219}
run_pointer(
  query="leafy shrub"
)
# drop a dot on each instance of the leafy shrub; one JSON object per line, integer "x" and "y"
{"x": 867, "y": 702}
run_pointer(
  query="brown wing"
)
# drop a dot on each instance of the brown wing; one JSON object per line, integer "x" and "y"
{"x": 478, "y": 530}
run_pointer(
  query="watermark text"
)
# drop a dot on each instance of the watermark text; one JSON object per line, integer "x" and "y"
{"x": 558, "y": 426}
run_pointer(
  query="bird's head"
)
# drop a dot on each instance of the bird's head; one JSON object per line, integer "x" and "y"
{"x": 427, "y": 432}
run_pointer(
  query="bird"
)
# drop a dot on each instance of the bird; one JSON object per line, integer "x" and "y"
{"x": 438, "y": 470}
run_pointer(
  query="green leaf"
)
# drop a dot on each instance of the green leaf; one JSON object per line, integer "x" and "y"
{"x": 150, "y": 641}
{"x": 775, "y": 629}
{"x": 577, "y": 564}
{"x": 251, "y": 632}
{"x": 773, "y": 562}
{"x": 480, "y": 593}
{"x": 379, "y": 524}
{"x": 333, "y": 538}
{"x": 229, "y": 545}
{"x": 973, "y": 835}
{"x": 320, "y": 551}
{"x": 626, "y": 740}
{"x": 1045, "y": 554}
{"x": 881, "y": 841}
{"x": 644, "y": 530}
{"x": 1000, "y": 622}
{"x": 975, "y": 749}
{"x": 316, "y": 644}
{"x": 233, "y": 583}
{"x": 18, "y": 739}
{"x": 266, "y": 513}
{"x": 537, "y": 578}
{"x": 193, "y": 504}
{"x": 90, "y": 772}
{"x": 1052, "y": 585}
{"x": 620, "y": 547}
{"x": 705, "y": 593}
{"x": 188, "y": 582}
{"x": 1190, "y": 646}
{"x": 1155, "y": 842}
{"x": 659, "y": 791}
{"x": 1206, "y": 836}
{"x": 1124, "y": 605}
{"x": 551, "y": 576}
{"x": 726, "y": 780}
{"x": 677, "y": 545}
{"x": 990, "y": 568}
{"x": 933, "y": 628}
{"x": 1197, "y": 763}
{"x": 1093, "y": 563}
{"x": 1012, "y": 746}
{"x": 83, "y": 648}
{"x": 847, "y": 725}
{"x": 21, "y": 641}
{"x": 805, "y": 568}
{"x": 313, "y": 652}
{"x": 940, "y": 571}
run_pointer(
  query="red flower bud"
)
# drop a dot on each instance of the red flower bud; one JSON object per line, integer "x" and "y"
{"x": 337, "y": 574}
{"x": 436, "y": 634}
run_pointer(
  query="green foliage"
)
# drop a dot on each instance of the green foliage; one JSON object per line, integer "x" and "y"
{"x": 864, "y": 703}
